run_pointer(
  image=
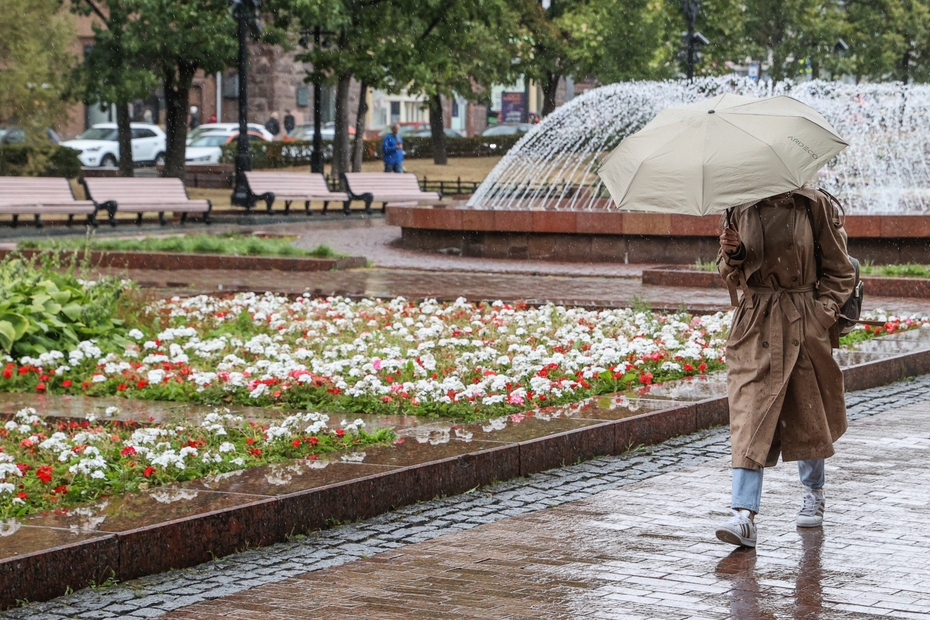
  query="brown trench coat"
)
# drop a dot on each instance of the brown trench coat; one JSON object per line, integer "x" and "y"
{"x": 785, "y": 390}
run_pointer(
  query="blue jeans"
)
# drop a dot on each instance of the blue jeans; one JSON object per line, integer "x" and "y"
{"x": 398, "y": 167}
{"x": 747, "y": 483}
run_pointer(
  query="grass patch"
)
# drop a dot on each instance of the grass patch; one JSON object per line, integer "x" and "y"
{"x": 225, "y": 243}
{"x": 907, "y": 270}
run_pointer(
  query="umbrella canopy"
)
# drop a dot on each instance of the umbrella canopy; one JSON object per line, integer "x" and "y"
{"x": 719, "y": 153}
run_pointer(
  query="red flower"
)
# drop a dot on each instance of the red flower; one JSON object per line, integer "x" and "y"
{"x": 26, "y": 443}
{"x": 44, "y": 474}
{"x": 23, "y": 468}
{"x": 85, "y": 385}
{"x": 646, "y": 378}
{"x": 43, "y": 378}
{"x": 8, "y": 373}
{"x": 702, "y": 367}
{"x": 127, "y": 451}
{"x": 148, "y": 471}
{"x": 66, "y": 383}
{"x": 40, "y": 387}
{"x": 296, "y": 443}
{"x": 255, "y": 452}
{"x": 276, "y": 394}
{"x": 313, "y": 441}
{"x": 340, "y": 432}
{"x": 23, "y": 370}
{"x": 22, "y": 495}
{"x": 249, "y": 441}
{"x": 121, "y": 387}
{"x": 141, "y": 384}
{"x": 61, "y": 489}
{"x": 689, "y": 368}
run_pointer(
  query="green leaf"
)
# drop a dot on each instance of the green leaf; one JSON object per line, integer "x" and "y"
{"x": 72, "y": 311}
{"x": 7, "y": 335}
{"x": 19, "y": 323}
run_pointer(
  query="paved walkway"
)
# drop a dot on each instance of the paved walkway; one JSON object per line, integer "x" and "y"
{"x": 621, "y": 537}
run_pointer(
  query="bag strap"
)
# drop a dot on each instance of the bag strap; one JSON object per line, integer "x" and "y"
{"x": 818, "y": 253}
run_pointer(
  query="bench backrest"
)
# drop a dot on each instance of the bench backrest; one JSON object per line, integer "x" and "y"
{"x": 35, "y": 190}
{"x": 129, "y": 190}
{"x": 287, "y": 183}
{"x": 382, "y": 182}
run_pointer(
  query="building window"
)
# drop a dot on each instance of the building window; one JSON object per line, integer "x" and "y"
{"x": 395, "y": 112}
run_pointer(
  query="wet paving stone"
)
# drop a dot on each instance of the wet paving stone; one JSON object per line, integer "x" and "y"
{"x": 641, "y": 529}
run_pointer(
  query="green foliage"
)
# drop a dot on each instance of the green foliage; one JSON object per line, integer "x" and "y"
{"x": 267, "y": 155}
{"x": 34, "y": 68}
{"x": 225, "y": 243}
{"x": 905, "y": 270}
{"x": 44, "y": 306}
{"x": 42, "y": 160}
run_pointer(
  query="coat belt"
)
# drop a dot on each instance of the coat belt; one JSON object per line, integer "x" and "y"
{"x": 781, "y": 297}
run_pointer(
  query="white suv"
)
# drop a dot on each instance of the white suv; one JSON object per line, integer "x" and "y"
{"x": 230, "y": 129}
{"x": 99, "y": 148}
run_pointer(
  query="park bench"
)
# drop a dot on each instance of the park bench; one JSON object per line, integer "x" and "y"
{"x": 385, "y": 187}
{"x": 38, "y": 196}
{"x": 291, "y": 186}
{"x": 139, "y": 196}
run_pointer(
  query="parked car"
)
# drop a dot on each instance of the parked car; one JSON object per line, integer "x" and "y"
{"x": 207, "y": 148}
{"x": 16, "y": 135}
{"x": 227, "y": 128}
{"x": 98, "y": 146}
{"x": 428, "y": 133}
{"x": 507, "y": 129}
{"x": 406, "y": 129}
{"x": 304, "y": 132}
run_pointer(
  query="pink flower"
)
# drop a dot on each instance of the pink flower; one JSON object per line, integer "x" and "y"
{"x": 376, "y": 364}
{"x": 515, "y": 399}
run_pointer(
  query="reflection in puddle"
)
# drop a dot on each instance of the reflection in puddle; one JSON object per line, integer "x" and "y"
{"x": 9, "y": 527}
{"x": 215, "y": 480}
{"x": 462, "y": 434}
{"x": 355, "y": 457}
{"x": 496, "y": 424}
{"x": 170, "y": 495}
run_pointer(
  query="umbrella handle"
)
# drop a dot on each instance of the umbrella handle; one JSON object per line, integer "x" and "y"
{"x": 729, "y": 211}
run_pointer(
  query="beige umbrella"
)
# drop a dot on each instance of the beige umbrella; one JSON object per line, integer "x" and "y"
{"x": 719, "y": 153}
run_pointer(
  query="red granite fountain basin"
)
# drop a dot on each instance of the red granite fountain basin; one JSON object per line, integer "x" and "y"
{"x": 612, "y": 236}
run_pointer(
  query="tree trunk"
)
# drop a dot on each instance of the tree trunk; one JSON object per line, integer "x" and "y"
{"x": 124, "y": 139}
{"x": 549, "y": 89}
{"x": 438, "y": 130}
{"x": 358, "y": 147}
{"x": 341, "y": 139}
{"x": 177, "y": 98}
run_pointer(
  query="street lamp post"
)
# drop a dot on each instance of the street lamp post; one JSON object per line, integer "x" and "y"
{"x": 692, "y": 40}
{"x": 244, "y": 12}
{"x": 316, "y": 156}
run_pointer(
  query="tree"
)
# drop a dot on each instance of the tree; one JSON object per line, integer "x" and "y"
{"x": 35, "y": 66}
{"x": 178, "y": 38}
{"x": 457, "y": 48}
{"x": 111, "y": 72}
{"x": 890, "y": 39}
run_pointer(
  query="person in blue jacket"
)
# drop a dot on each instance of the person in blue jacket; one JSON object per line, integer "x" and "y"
{"x": 392, "y": 150}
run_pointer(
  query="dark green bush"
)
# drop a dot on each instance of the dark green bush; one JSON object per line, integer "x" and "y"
{"x": 287, "y": 154}
{"x": 39, "y": 161}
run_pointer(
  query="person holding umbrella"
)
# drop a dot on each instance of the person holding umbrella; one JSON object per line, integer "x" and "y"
{"x": 783, "y": 248}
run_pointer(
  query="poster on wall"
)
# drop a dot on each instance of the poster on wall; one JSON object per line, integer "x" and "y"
{"x": 513, "y": 106}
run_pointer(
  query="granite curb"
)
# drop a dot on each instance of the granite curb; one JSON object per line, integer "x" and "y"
{"x": 170, "y": 261}
{"x": 263, "y": 521}
{"x": 874, "y": 286}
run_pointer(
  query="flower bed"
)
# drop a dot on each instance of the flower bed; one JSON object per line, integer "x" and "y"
{"x": 53, "y": 463}
{"x": 457, "y": 360}
{"x": 452, "y": 359}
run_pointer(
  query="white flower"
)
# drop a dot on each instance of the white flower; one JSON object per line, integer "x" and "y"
{"x": 135, "y": 334}
{"x": 227, "y": 447}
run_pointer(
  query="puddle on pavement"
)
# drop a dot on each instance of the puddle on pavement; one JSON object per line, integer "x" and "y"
{"x": 17, "y": 539}
{"x": 135, "y": 510}
{"x": 284, "y": 478}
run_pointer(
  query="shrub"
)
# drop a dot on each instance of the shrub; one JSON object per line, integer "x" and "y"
{"x": 39, "y": 161}
{"x": 44, "y": 306}
{"x": 287, "y": 154}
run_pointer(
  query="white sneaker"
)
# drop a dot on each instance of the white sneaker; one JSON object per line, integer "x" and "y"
{"x": 812, "y": 507}
{"x": 739, "y": 530}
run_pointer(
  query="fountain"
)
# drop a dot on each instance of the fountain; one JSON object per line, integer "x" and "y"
{"x": 544, "y": 200}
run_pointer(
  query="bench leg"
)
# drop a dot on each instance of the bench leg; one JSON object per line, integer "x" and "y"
{"x": 70, "y": 220}
{"x": 383, "y": 207}
{"x": 183, "y": 218}
{"x": 38, "y": 221}
{"x": 307, "y": 207}
{"x": 92, "y": 219}
{"x": 15, "y": 220}
{"x": 161, "y": 218}
{"x": 206, "y": 214}
{"x": 139, "y": 219}
{"x": 345, "y": 207}
{"x": 287, "y": 207}
{"x": 325, "y": 206}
